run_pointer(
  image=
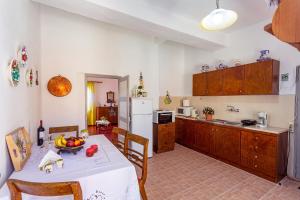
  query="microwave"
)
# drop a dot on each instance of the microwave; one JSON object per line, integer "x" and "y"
{"x": 184, "y": 111}
{"x": 163, "y": 117}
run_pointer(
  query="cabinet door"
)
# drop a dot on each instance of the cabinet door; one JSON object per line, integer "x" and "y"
{"x": 199, "y": 84}
{"x": 189, "y": 134}
{"x": 259, "y": 152}
{"x": 179, "y": 130}
{"x": 215, "y": 83}
{"x": 262, "y": 78}
{"x": 166, "y": 137}
{"x": 228, "y": 144}
{"x": 233, "y": 80}
{"x": 202, "y": 136}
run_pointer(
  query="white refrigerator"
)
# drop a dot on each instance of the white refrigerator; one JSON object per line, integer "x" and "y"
{"x": 141, "y": 122}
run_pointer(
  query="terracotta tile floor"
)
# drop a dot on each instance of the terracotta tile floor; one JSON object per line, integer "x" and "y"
{"x": 184, "y": 174}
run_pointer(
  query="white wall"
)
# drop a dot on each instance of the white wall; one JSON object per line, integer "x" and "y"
{"x": 20, "y": 106}
{"x": 73, "y": 45}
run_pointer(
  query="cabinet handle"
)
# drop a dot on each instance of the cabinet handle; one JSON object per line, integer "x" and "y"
{"x": 241, "y": 91}
{"x": 255, "y": 166}
{"x": 256, "y": 147}
{"x": 255, "y": 156}
{"x": 256, "y": 138}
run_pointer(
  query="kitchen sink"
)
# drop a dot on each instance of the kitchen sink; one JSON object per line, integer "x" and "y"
{"x": 221, "y": 121}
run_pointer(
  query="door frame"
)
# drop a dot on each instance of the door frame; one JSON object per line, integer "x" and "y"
{"x": 86, "y": 76}
{"x": 128, "y": 96}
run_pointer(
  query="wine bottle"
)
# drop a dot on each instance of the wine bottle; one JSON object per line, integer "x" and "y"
{"x": 40, "y": 134}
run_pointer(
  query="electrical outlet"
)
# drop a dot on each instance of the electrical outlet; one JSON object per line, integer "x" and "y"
{"x": 291, "y": 127}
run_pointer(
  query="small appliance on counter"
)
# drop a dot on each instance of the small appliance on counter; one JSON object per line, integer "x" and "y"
{"x": 184, "y": 111}
{"x": 248, "y": 122}
{"x": 262, "y": 121}
{"x": 163, "y": 116}
{"x": 186, "y": 103}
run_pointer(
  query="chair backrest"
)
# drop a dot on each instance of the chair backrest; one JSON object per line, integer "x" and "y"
{"x": 137, "y": 158}
{"x": 64, "y": 129}
{"x": 116, "y": 132}
{"x": 17, "y": 187}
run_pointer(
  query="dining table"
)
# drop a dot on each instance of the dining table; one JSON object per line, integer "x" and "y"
{"x": 108, "y": 175}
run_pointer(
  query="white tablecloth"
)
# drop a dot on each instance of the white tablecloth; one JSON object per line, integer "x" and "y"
{"x": 108, "y": 175}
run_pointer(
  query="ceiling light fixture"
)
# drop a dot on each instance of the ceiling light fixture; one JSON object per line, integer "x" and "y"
{"x": 219, "y": 19}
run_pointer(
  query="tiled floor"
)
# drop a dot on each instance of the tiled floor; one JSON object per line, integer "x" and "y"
{"x": 184, "y": 174}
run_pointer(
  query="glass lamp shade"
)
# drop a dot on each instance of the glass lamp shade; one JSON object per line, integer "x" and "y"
{"x": 219, "y": 19}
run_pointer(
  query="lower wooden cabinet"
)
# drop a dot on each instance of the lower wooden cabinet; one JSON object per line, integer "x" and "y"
{"x": 227, "y": 144}
{"x": 261, "y": 153}
{"x": 264, "y": 154}
{"x": 202, "y": 137}
{"x": 163, "y": 137}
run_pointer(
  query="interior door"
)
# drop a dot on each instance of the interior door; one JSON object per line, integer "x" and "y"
{"x": 123, "y": 121}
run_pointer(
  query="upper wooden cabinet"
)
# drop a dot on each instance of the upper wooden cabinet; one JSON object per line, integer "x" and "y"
{"x": 259, "y": 78}
{"x": 199, "y": 84}
{"x": 215, "y": 83}
{"x": 262, "y": 78}
{"x": 233, "y": 80}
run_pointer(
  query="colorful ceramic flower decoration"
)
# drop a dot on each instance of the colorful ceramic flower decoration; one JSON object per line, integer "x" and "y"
{"x": 23, "y": 56}
{"x": 14, "y": 72}
{"x": 29, "y": 77}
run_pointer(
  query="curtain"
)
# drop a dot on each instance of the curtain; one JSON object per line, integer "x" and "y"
{"x": 91, "y": 104}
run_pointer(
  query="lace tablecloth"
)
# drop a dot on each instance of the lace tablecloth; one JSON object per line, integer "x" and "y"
{"x": 108, "y": 175}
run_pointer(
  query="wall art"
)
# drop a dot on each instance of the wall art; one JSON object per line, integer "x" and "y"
{"x": 59, "y": 86}
{"x": 14, "y": 72}
{"x": 23, "y": 56}
{"x": 29, "y": 77}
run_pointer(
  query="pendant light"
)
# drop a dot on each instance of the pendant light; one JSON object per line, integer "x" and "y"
{"x": 219, "y": 19}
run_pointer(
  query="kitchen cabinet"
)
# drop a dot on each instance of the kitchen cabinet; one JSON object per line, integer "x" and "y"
{"x": 262, "y": 78}
{"x": 189, "y": 136}
{"x": 261, "y": 153}
{"x": 264, "y": 154}
{"x": 259, "y": 78}
{"x": 179, "y": 130}
{"x": 227, "y": 144}
{"x": 163, "y": 137}
{"x": 199, "y": 84}
{"x": 233, "y": 80}
{"x": 202, "y": 137}
{"x": 215, "y": 83}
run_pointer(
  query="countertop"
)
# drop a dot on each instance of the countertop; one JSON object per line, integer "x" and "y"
{"x": 269, "y": 129}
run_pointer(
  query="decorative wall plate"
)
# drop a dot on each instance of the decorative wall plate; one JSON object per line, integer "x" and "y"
{"x": 29, "y": 77}
{"x": 14, "y": 72}
{"x": 59, "y": 86}
{"x": 23, "y": 56}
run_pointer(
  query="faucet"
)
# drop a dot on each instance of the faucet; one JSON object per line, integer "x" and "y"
{"x": 232, "y": 109}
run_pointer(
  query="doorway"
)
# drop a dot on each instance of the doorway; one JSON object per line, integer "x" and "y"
{"x": 106, "y": 100}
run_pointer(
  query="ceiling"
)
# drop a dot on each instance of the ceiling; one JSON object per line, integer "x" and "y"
{"x": 249, "y": 11}
{"x": 175, "y": 20}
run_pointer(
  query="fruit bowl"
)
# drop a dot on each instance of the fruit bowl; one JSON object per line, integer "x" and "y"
{"x": 69, "y": 145}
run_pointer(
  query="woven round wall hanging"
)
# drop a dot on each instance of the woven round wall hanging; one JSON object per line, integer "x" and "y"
{"x": 59, "y": 86}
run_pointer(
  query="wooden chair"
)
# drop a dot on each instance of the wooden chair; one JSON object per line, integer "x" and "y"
{"x": 137, "y": 158}
{"x": 17, "y": 187}
{"x": 64, "y": 129}
{"x": 116, "y": 132}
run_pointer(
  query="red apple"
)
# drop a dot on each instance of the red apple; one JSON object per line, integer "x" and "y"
{"x": 70, "y": 143}
{"x": 95, "y": 147}
{"x": 90, "y": 152}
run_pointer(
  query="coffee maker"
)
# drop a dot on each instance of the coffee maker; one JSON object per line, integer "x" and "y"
{"x": 262, "y": 121}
